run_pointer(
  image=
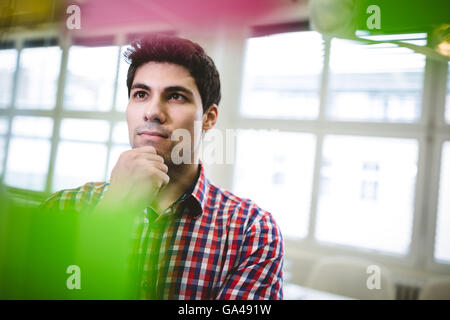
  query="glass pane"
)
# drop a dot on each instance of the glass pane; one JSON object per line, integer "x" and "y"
{"x": 374, "y": 82}
{"x": 38, "y": 127}
{"x": 38, "y": 78}
{"x": 120, "y": 133}
{"x": 442, "y": 243}
{"x": 85, "y": 130}
{"x": 273, "y": 168}
{"x": 3, "y": 125}
{"x": 447, "y": 103}
{"x": 78, "y": 163}
{"x": 8, "y": 60}
{"x": 27, "y": 163}
{"x": 122, "y": 90}
{"x": 367, "y": 192}
{"x": 282, "y": 76}
{"x": 2, "y": 152}
{"x": 114, "y": 155}
{"x": 91, "y": 74}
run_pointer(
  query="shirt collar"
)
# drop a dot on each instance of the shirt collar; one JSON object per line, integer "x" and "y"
{"x": 194, "y": 199}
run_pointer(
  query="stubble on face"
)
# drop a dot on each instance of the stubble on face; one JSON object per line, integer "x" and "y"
{"x": 176, "y": 113}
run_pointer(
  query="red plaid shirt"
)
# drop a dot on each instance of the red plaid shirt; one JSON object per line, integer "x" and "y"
{"x": 209, "y": 244}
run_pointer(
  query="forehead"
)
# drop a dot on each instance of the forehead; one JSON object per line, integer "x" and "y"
{"x": 164, "y": 74}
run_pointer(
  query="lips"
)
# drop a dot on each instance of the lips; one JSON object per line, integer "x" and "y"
{"x": 154, "y": 134}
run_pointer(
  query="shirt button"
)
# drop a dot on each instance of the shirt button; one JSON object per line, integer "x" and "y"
{"x": 145, "y": 285}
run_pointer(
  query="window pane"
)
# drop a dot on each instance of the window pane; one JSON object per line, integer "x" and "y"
{"x": 114, "y": 155}
{"x": 38, "y": 78}
{"x": 272, "y": 169}
{"x": 2, "y": 152}
{"x": 91, "y": 74}
{"x": 78, "y": 163}
{"x": 442, "y": 247}
{"x": 447, "y": 103}
{"x": 27, "y": 163}
{"x": 122, "y": 90}
{"x": 7, "y": 67}
{"x": 38, "y": 127}
{"x": 367, "y": 192}
{"x": 3, "y": 125}
{"x": 379, "y": 82}
{"x": 3, "y": 131}
{"x": 120, "y": 133}
{"x": 85, "y": 130}
{"x": 282, "y": 76}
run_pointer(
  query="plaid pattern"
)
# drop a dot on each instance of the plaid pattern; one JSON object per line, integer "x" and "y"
{"x": 210, "y": 244}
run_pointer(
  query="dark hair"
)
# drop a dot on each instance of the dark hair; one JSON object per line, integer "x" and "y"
{"x": 183, "y": 52}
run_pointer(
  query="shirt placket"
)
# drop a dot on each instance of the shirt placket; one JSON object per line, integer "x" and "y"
{"x": 151, "y": 252}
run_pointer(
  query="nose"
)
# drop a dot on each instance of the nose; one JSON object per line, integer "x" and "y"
{"x": 154, "y": 111}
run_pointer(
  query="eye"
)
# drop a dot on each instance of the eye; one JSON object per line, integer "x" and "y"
{"x": 140, "y": 95}
{"x": 177, "y": 97}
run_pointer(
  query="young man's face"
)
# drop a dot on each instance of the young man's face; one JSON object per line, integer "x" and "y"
{"x": 163, "y": 97}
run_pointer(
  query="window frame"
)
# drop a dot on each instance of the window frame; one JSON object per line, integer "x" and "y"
{"x": 438, "y": 131}
{"x": 430, "y": 131}
{"x": 58, "y": 113}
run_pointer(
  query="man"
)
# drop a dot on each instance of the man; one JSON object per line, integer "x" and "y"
{"x": 195, "y": 240}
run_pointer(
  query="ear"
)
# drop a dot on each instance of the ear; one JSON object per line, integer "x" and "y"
{"x": 210, "y": 117}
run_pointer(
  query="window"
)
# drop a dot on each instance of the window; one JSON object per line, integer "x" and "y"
{"x": 325, "y": 178}
{"x": 369, "y": 202}
{"x": 85, "y": 148}
{"x": 442, "y": 242}
{"x": 369, "y": 183}
{"x": 379, "y": 82}
{"x": 274, "y": 169}
{"x": 122, "y": 90}
{"x": 346, "y": 184}
{"x": 38, "y": 78}
{"x": 447, "y": 100}
{"x": 2, "y": 154}
{"x": 288, "y": 86}
{"x": 120, "y": 144}
{"x": 3, "y": 131}
{"x": 91, "y": 74}
{"x": 29, "y": 153}
{"x": 8, "y": 59}
{"x": 85, "y": 130}
{"x": 81, "y": 155}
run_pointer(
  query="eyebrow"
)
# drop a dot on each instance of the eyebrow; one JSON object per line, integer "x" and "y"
{"x": 140, "y": 86}
{"x": 167, "y": 89}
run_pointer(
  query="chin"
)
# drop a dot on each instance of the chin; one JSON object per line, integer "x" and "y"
{"x": 161, "y": 150}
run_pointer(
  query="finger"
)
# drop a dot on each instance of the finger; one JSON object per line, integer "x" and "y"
{"x": 160, "y": 166}
{"x": 148, "y": 164}
{"x": 146, "y": 149}
{"x": 162, "y": 177}
{"x": 151, "y": 156}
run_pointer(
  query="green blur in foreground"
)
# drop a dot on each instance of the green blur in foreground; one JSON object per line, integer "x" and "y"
{"x": 357, "y": 19}
{"x": 38, "y": 245}
{"x": 344, "y": 17}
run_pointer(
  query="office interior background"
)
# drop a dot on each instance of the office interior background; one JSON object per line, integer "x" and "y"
{"x": 347, "y": 144}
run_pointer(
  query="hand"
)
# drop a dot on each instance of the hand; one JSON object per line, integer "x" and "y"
{"x": 136, "y": 179}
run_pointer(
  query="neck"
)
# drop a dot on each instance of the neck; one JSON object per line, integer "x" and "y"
{"x": 181, "y": 178}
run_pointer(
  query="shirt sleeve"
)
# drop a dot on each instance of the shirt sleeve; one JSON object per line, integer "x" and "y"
{"x": 79, "y": 199}
{"x": 258, "y": 274}
{"x": 52, "y": 202}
